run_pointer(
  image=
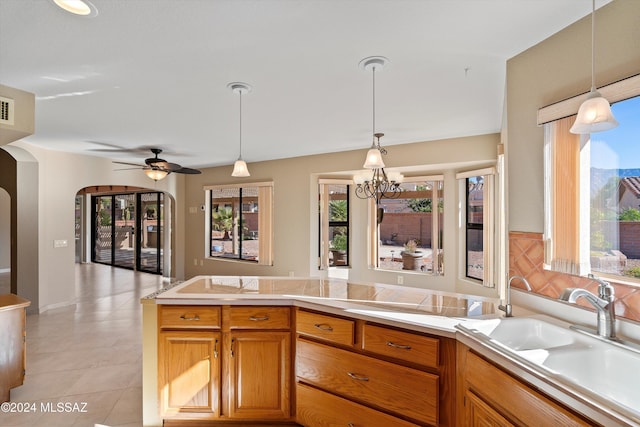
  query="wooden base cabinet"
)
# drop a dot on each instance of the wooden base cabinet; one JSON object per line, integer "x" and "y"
{"x": 490, "y": 396}
{"x": 224, "y": 364}
{"x": 260, "y": 375}
{"x": 189, "y": 373}
{"x": 13, "y": 351}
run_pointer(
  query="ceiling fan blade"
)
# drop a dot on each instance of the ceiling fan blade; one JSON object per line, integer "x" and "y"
{"x": 171, "y": 167}
{"x": 127, "y": 163}
{"x": 188, "y": 171}
{"x": 128, "y": 169}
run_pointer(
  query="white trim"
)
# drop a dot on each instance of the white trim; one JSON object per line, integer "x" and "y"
{"x": 239, "y": 185}
{"x": 476, "y": 172}
{"x": 614, "y": 92}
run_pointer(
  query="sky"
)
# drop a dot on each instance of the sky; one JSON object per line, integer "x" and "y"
{"x": 619, "y": 148}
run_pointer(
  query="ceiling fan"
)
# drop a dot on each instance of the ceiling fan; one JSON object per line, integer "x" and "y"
{"x": 157, "y": 168}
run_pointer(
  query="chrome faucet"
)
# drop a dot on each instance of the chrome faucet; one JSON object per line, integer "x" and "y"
{"x": 603, "y": 303}
{"x": 507, "y": 308}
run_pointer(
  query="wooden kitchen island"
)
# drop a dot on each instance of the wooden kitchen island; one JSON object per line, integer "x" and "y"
{"x": 12, "y": 343}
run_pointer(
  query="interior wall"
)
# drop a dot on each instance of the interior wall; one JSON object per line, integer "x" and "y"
{"x": 295, "y": 208}
{"x": 559, "y": 68}
{"x": 61, "y": 176}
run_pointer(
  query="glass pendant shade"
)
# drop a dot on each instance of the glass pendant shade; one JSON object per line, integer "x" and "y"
{"x": 156, "y": 174}
{"x": 594, "y": 115}
{"x": 240, "y": 169}
{"x": 374, "y": 159}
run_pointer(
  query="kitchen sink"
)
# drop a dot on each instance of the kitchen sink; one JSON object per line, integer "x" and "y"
{"x": 522, "y": 333}
{"x": 573, "y": 358}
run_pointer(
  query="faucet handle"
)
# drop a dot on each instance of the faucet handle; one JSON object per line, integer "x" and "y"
{"x": 605, "y": 290}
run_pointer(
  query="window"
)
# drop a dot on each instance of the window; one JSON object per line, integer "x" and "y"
{"x": 240, "y": 222}
{"x": 593, "y": 189}
{"x": 334, "y": 223}
{"x": 410, "y": 228}
{"x": 479, "y": 223}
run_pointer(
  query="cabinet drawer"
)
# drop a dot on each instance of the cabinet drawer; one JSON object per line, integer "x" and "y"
{"x": 257, "y": 317}
{"x": 188, "y": 317}
{"x": 334, "y": 329}
{"x": 401, "y": 345}
{"x": 315, "y": 408}
{"x": 397, "y": 389}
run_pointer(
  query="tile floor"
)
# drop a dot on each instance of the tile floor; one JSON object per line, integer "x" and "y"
{"x": 87, "y": 355}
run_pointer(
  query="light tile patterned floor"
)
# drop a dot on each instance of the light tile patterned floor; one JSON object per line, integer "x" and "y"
{"x": 87, "y": 353}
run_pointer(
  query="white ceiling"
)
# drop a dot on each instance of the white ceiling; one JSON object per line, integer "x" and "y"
{"x": 146, "y": 73}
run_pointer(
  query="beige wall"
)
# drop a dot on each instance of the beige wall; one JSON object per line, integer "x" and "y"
{"x": 556, "y": 69}
{"x": 295, "y": 208}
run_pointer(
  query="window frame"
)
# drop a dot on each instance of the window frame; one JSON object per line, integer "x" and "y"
{"x": 325, "y": 223}
{"x": 265, "y": 221}
{"x": 492, "y": 226}
{"x": 374, "y": 228}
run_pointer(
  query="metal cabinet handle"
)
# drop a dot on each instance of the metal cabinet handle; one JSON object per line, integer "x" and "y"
{"x": 231, "y": 349}
{"x": 258, "y": 319}
{"x": 215, "y": 349}
{"x": 357, "y": 376}
{"x": 194, "y": 317}
{"x": 400, "y": 346}
{"x": 323, "y": 327}
{"x": 351, "y": 425}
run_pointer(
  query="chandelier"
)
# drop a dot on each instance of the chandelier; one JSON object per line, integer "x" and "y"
{"x": 376, "y": 184}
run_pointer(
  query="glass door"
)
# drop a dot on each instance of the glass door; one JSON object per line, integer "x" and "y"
{"x": 150, "y": 236}
{"x": 127, "y": 231}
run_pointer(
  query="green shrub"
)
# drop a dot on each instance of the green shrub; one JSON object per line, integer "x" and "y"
{"x": 635, "y": 272}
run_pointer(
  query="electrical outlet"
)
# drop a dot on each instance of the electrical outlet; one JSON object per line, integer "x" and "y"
{"x": 201, "y": 263}
{"x": 400, "y": 280}
{"x": 195, "y": 261}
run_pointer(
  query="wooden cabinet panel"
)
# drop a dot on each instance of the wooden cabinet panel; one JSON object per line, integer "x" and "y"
{"x": 514, "y": 400}
{"x": 398, "y": 389}
{"x": 315, "y": 408}
{"x": 325, "y": 327}
{"x": 12, "y": 343}
{"x": 260, "y": 375}
{"x": 479, "y": 414}
{"x": 188, "y": 317}
{"x": 401, "y": 345}
{"x": 189, "y": 372}
{"x": 258, "y": 317}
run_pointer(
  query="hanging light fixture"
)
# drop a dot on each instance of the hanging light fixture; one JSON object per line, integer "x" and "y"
{"x": 376, "y": 184}
{"x": 594, "y": 115}
{"x": 156, "y": 174}
{"x": 240, "y": 168}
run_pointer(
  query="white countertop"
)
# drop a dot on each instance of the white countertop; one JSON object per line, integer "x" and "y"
{"x": 412, "y": 308}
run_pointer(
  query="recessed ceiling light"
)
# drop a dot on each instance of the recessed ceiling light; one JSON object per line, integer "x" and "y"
{"x": 77, "y": 7}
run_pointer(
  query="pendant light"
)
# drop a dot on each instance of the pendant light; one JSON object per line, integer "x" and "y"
{"x": 594, "y": 115}
{"x": 240, "y": 168}
{"x": 376, "y": 183}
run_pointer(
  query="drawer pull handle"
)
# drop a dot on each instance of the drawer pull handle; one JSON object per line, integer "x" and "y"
{"x": 351, "y": 425}
{"x": 324, "y": 327}
{"x": 215, "y": 349}
{"x": 184, "y": 317}
{"x": 400, "y": 346}
{"x": 258, "y": 319}
{"x": 357, "y": 376}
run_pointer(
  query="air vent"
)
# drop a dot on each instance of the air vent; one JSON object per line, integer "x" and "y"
{"x": 6, "y": 111}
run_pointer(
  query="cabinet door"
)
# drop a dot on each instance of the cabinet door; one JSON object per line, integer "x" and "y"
{"x": 259, "y": 375}
{"x": 189, "y": 373}
{"x": 479, "y": 414}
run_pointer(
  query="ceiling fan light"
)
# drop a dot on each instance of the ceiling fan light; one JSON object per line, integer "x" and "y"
{"x": 594, "y": 115}
{"x": 374, "y": 159}
{"x": 156, "y": 174}
{"x": 77, "y": 7}
{"x": 240, "y": 169}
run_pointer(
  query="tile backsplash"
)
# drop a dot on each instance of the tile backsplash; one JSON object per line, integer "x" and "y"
{"x": 526, "y": 256}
